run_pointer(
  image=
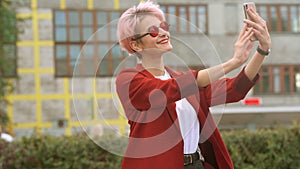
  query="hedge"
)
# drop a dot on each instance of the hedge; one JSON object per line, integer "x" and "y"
{"x": 49, "y": 152}
{"x": 276, "y": 148}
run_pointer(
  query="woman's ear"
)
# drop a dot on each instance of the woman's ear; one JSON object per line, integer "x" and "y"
{"x": 135, "y": 46}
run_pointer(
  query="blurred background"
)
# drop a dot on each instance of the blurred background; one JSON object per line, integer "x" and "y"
{"x": 59, "y": 59}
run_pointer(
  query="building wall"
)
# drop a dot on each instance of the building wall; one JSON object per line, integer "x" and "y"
{"x": 41, "y": 102}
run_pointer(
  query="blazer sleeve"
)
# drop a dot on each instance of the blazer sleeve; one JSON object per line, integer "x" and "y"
{"x": 229, "y": 90}
{"x": 142, "y": 90}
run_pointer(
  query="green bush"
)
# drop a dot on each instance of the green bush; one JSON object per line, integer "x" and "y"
{"x": 49, "y": 152}
{"x": 276, "y": 148}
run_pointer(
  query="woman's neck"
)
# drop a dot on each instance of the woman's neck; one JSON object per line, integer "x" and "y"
{"x": 154, "y": 65}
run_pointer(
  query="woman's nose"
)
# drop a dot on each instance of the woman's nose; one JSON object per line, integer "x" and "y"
{"x": 163, "y": 32}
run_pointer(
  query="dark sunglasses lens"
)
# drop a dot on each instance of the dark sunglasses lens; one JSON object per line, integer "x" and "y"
{"x": 153, "y": 31}
{"x": 164, "y": 26}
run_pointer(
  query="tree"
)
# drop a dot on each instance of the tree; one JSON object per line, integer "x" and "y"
{"x": 8, "y": 38}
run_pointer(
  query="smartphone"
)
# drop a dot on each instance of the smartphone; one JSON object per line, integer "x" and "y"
{"x": 246, "y": 6}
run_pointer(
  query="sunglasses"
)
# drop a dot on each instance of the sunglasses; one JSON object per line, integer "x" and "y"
{"x": 154, "y": 30}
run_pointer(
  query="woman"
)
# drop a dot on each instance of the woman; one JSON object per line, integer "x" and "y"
{"x": 168, "y": 110}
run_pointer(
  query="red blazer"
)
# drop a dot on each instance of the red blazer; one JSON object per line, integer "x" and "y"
{"x": 155, "y": 140}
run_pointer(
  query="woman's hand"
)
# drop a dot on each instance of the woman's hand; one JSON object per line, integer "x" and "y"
{"x": 242, "y": 49}
{"x": 243, "y": 46}
{"x": 260, "y": 29}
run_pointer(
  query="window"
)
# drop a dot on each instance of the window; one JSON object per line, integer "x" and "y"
{"x": 187, "y": 18}
{"x": 277, "y": 79}
{"x": 8, "y": 38}
{"x": 85, "y": 44}
{"x": 281, "y": 17}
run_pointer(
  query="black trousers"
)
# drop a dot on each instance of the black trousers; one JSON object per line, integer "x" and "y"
{"x": 196, "y": 165}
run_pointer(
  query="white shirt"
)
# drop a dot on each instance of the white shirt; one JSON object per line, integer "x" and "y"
{"x": 188, "y": 121}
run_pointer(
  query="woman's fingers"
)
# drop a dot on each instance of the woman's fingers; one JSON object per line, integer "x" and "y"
{"x": 253, "y": 15}
{"x": 248, "y": 35}
{"x": 243, "y": 31}
{"x": 258, "y": 23}
{"x": 255, "y": 20}
{"x": 254, "y": 25}
{"x": 243, "y": 46}
{"x": 260, "y": 31}
{"x": 245, "y": 35}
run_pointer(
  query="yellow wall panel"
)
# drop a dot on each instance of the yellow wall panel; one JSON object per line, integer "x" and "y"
{"x": 38, "y": 97}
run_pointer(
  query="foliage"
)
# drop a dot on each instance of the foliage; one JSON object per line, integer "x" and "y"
{"x": 75, "y": 152}
{"x": 8, "y": 37}
{"x": 264, "y": 149}
{"x": 3, "y": 118}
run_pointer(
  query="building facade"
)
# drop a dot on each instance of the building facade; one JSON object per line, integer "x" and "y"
{"x": 68, "y": 55}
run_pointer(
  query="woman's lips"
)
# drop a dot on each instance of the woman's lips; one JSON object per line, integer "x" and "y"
{"x": 164, "y": 41}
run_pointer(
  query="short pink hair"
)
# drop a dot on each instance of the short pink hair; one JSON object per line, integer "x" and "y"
{"x": 131, "y": 18}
